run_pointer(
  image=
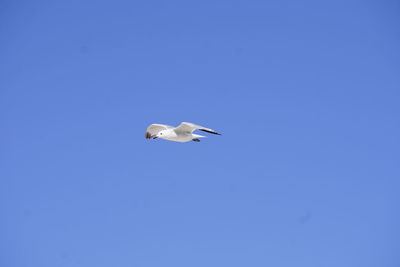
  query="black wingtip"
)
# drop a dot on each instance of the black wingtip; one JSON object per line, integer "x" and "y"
{"x": 212, "y": 132}
{"x": 148, "y": 135}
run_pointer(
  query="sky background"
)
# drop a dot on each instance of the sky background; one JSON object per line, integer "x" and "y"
{"x": 305, "y": 93}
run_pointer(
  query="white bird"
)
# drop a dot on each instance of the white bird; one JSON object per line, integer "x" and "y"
{"x": 182, "y": 133}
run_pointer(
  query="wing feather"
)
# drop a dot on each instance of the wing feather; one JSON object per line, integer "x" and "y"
{"x": 188, "y": 127}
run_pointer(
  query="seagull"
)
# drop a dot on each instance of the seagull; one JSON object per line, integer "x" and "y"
{"x": 182, "y": 133}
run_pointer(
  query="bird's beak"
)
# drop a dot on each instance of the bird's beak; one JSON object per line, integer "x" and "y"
{"x": 154, "y": 136}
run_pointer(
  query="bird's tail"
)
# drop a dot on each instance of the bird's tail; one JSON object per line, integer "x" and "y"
{"x": 198, "y": 136}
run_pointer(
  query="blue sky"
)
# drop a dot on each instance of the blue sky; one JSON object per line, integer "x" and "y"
{"x": 305, "y": 93}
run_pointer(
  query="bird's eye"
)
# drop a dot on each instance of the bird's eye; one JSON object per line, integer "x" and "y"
{"x": 160, "y": 133}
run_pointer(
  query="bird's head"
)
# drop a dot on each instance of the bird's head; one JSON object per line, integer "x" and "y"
{"x": 160, "y": 134}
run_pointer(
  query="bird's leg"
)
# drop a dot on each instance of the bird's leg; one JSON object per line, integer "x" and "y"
{"x": 196, "y": 139}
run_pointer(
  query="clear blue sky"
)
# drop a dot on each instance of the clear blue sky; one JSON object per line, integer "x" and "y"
{"x": 305, "y": 93}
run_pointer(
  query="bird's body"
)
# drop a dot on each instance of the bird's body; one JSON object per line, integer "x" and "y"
{"x": 182, "y": 133}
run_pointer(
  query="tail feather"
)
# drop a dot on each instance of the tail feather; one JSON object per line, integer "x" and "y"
{"x": 198, "y": 136}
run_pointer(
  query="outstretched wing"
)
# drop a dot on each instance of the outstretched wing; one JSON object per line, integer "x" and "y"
{"x": 155, "y": 129}
{"x": 187, "y": 127}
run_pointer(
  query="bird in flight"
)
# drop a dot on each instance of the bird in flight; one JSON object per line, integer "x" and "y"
{"x": 182, "y": 133}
